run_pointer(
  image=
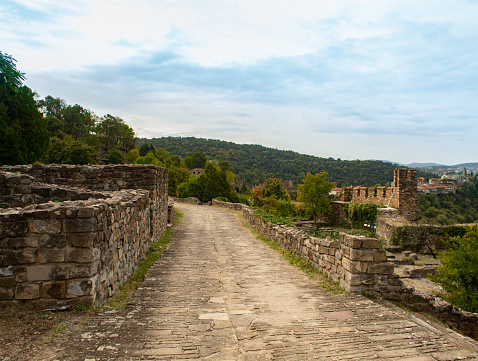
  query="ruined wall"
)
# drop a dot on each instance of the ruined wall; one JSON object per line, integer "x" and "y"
{"x": 107, "y": 178}
{"x": 83, "y": 244}
{"x": 360, "y": 265}
{"x": 402, "y": 196}
{"x": 357, "y": 263}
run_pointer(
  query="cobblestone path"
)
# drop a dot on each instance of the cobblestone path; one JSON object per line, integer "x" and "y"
{"x": 220, "y": 294}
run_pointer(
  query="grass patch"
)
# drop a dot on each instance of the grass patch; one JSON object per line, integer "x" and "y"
{"x": 120, "y": 298}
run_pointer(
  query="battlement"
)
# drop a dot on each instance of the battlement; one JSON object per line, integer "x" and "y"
{"x": 403, "y": 195}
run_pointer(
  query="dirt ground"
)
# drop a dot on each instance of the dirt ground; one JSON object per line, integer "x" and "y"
{"x": 35, "y": 334}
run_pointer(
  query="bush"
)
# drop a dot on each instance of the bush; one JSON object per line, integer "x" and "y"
{"x": 415, "y": 238}
{"x": 458, "y": 274}
{"x": 115, "y": 157}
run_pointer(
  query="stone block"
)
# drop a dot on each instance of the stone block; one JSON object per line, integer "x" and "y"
{"x": 22, "y": 242}
{"x": 383, "y": 268}
{"x": 27, "y": 291}
{"x": 14, "y": 229}
{"x": 82, "y": 240}
{"x": 17, "y": 257}
{"x": 81, "y": 271}
{"x": 59, "y": 272}
{"x": 7, "y": 271}
{"x": 370, "y": 243}
{"x": 38, "y": 273}
{"x": 354, "y": 266}
{"x": 352, "y": 241}
{"x": 81, "y": 255}
{"x": 51, "y": 255}
{"x": 7, "y": 282}
{"x": 379, "y": 255}
{"x": 6, "y": 294}
{"x": 86, "y": 212}
{"x": 365, "y": 255}
{"x": 49, "y": 226}
{"x": 53, "y": 240}
{"x": 78, "y": 225}
{"x": 54, "y": 289}
{"x": 78, "y": 288}
{"x": 338, "y": 255}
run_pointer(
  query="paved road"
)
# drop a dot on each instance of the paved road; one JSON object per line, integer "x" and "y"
{"x": 220, "y": 294}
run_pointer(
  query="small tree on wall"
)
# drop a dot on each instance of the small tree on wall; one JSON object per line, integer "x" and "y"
{"x": 314, "y": 192}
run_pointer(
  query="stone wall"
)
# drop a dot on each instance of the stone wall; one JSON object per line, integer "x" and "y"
{"x": 402, "y": 196}
{"x": 357, "y": 263}
{"x": 75, "y": 244}
{"x": 189, "y": 200}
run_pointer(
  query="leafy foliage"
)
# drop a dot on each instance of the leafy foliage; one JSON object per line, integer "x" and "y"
{"x": 452, "y": 208}
{"x": 275, "y": 219}
{"x": 314, "y": 192}
{"x": 23, "y": 131}
{"x": 115, "y": 157}
{"x": 69, "y": 151}
{"x": 358, "y": 213}
{"x": 255, "y": 163}
{"x": 458, "y": 274}
{"x": 415, "y": 238}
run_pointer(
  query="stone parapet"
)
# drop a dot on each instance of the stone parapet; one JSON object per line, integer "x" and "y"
{"x": 72, "y": 244}
{"x": 188, "y": 200}
{"x": 357, "y": 263}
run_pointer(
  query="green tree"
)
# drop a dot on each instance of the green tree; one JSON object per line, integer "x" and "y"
{"x": 195, "y": 160}
{"x": 52, "y": 106}
{"x": 78, "y": 121}
{"x": 132, "y": 155}
{"x": 23, "y": 131}
{"x": 115, "y": 157}
{"x": 70, "y": 151}
{"x": 458, "y": 274}
{"x": 177, "y": 175}
{"x": 314, "y": 192}
{"x": 110, "y": 130}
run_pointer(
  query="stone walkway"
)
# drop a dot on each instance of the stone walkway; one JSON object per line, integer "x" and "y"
{"x": 220, "y": 294}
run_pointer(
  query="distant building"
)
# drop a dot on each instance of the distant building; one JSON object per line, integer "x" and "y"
{"x": 196, "y": 171}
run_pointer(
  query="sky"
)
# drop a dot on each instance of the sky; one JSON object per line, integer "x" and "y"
{"x": 393, "y": 80}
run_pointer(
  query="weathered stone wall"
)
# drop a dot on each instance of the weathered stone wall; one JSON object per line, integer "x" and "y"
{"x": 360, "y": 265}
{"x": 229, "y": 205}
{"x": 357, "y": 263}
{"x": 189, "y": 200}
{"x": 107, "y": 178}
{"x": 83, "y": 245}
{"x": 388, "y": 220}
{"x": 402, "y": 196}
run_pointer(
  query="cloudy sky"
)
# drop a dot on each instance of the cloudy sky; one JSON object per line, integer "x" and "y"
{"x": 353, "y": 79}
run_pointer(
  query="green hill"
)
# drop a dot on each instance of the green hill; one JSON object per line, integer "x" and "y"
{"x": 256, "y": 163}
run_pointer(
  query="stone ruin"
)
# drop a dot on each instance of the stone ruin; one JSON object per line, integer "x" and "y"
{"x": 73, "y": 233}
{"x": 401, "y": 200}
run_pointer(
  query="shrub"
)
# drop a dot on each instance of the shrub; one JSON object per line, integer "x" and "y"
{"x": 458, "y": 274}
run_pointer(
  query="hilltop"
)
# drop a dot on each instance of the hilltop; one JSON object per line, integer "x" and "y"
{"x": 255, "y": 163}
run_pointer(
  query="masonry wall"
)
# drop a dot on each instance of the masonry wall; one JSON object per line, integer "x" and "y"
{"x": 360, "y": 265}
{"x": 402, "y": 196}
{"x": 357, "y": 263}
{"x": 83, "y": 244}
{"x": 107, "y": 178}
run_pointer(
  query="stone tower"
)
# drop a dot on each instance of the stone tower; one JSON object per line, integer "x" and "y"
{"x": 405, "y": 197}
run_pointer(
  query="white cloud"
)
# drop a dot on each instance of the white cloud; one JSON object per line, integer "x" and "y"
{"x": 270, "y": 71}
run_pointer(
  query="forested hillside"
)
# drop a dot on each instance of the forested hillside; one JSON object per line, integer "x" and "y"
{"x": 256, "y": 163}
{"x": 459, "y": 207}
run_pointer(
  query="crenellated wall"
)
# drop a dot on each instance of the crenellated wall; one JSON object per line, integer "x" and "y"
{"x": 402, "y": 196}
{"x": 77, "y": 245}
